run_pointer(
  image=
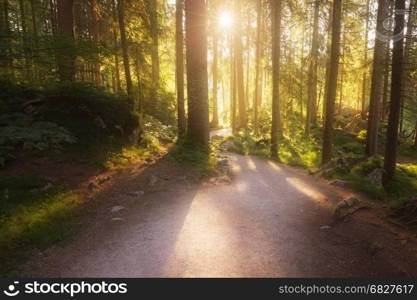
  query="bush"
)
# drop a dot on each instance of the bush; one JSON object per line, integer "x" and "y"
{"x": 93, "y": 115}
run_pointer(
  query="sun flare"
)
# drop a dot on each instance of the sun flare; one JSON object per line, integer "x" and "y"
{"x": 226, "y": 19}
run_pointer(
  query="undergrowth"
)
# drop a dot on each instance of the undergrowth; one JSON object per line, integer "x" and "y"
{"x": 34, "y": 213}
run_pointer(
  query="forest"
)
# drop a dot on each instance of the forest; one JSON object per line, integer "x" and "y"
{"x": 114, "y": 97}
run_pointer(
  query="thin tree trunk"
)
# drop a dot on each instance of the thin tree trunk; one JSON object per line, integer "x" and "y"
{"x": 215, "y": 119}
{"x": 332, "y": 82}
{"x": 276, "y": 128}
{"x": 377, "y": 82}
{"x": 155, "y": 43}
{"x": 365, "y": 64}
{"x": 197, "y": 77}
{"x": 233, "y": 94}
{"x": 395, "y": 105}
{"x": 312, "y": 74}
{"x": 118, "y": 86}
{"x": 328, "y": 58}
{"x": 26, "y": 49}
{"x": 95, "y": 33}
{"x": 239, "y": 70}
{"x": 258, "y": 71}
{"x": 386, "y": 81}
{"x": 180, "y": 68}
{"x": 122, "y": 27}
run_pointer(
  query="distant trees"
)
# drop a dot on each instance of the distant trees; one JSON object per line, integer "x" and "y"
{"x": 197, "y": 77}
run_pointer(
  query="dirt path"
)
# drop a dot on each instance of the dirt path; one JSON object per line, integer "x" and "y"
{"x": 267, "y": 222}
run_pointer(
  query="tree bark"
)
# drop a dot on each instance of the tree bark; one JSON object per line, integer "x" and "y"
{"x": 377, "y": 82}
{"x": 312, "y": 74}
{"x": 276, "y": 128}
{"x": 332, "y": 82}
{"x": 179, "y": 42}
{"x": 395, "y": 105}
{"x": 258, "y": 72}
{"x": 122, "y": 27}
{"x": 66, "y": 36}
{"x": 118, "y": 86}
{"x": 197, "y": 77}
{"x": 95, "y": 33}
{"x": 155, "y": 43}
{"x": 243, "y": 120}
{"x": 215, "y": 119}
{"x": 365, "y": 64}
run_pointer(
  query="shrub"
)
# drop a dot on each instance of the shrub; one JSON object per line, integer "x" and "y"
{"x": 93, "y": 115}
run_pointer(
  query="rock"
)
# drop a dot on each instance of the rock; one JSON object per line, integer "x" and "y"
{"x": 153, "y": 180}
{"x": 347, "y": 207}
{"x": 136, "y": 194}
{"x": 92, "y": 186}
{"x": 223, "y": 165}
{"x": 100, "y": 123}
{"x": 339, "y": 183}
{"x": 375, "y": 177}
{"x": 48, "y": 186}
{"x": 103, "y": 180}
{"x": 116, "y": 209}
{"x": 228, "y": 145}
{"x": 325, "y": 227}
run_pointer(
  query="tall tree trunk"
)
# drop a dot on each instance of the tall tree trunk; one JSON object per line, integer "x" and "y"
{"x": 215, "y": 119}
{"x": 312, "y": 73}
{"x": 415, "y": 135}
{"x": 26, "y": 48}
{"x": 276, "y": 128}
{"x": 377, "y": 82}
{"x": 386, "y": 81}
{"x": 365, "y": 64}
{"x": 395, "y": 105}
{"x": 95, "y": 33}
{"x": 328, "y": 58}
{"x": 118, "y": 86}
{"x": 233, "y": 93}
{"x": 125, "y": 52}
{"x": 239, "y": 69}
{"x": 155, "y": 43}
{"x": 258, "y": 71}
{"x": 331, "y": 85}
{"x": 197, "y": 77}
{"x": 66, "y": 36}
{"x": 179, "y": 42}
{"x": 406, "y": 67}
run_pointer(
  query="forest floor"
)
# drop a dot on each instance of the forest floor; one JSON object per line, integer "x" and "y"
{"x": 162, "y": 220}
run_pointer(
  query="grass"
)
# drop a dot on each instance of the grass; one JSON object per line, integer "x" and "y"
{"x": 299, "y": 150}
{"x": 126, "y": 156}
{"x": 32, "y": 218}
{"x": 201, "y": 158}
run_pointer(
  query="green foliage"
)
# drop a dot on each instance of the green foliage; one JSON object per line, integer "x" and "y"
{"x": 203, "y": 159}
{"x": 93, "y": 115}
{"x": 156, "y": 128}
{"x": 149, "y": 147}
{"x": 14, "y": 95}
{"x": 33, "y": 213}
{"x": 21, "y": 130}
